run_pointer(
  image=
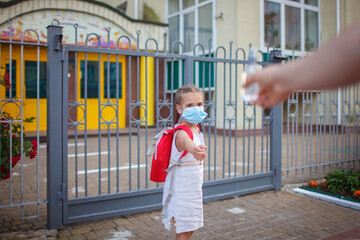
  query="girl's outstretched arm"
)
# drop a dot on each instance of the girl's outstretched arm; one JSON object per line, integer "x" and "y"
{"x": 184, "y": 142}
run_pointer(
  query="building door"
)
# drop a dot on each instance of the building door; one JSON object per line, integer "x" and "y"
{"x": 97, "y": 82}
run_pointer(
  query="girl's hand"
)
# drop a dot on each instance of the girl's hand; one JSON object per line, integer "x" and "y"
{"x": 183, "y": 142}
{"x": 199, "y": 152}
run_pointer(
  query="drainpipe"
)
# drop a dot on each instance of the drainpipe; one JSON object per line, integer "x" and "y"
{"x": 136, "y": 9}
{"x": 337, "y": 33}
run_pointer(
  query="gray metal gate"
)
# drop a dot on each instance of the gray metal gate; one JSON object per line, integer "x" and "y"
{"x": 102, "y": 170}
{"x": 105, "y": 172}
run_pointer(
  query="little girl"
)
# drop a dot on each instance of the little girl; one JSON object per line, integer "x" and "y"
{"x": 182, "y": 196}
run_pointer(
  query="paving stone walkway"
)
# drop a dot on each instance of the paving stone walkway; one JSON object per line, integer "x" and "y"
{"x": 265, "y": 215}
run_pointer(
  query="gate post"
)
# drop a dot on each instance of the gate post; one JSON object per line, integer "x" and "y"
{"x": 276, "y": 126}
{"x": 54, "y": 127}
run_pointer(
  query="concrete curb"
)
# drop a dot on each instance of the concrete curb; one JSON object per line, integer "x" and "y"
{"x": 328, "y": 198}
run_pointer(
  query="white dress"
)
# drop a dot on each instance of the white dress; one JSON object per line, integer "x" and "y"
{"x": 183, "y": 200}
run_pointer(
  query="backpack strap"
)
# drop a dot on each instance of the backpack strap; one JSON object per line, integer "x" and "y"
{"x": 188, "y": 131}
{"x": 168, "y": 197}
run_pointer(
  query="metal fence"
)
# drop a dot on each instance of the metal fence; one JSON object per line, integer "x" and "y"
{"x": 321, "y": 133}
{"x": 23, "y": 173}
{"x": 104, "y": 105}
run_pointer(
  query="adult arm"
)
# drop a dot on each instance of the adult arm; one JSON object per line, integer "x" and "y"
{"x": 335, "y": 64}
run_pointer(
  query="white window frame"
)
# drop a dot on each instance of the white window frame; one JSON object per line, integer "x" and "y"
{"x": 302, "y": 6}
{"x": 195, "y": 10}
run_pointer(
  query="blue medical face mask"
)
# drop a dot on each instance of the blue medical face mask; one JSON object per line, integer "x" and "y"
{"x": 194, "y": 115}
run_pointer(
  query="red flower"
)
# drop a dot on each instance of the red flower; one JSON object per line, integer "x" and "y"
{"x": 34, "y": 145}
{"x": 315, "y": 183}
{"x": 357, "y": 193}
{"x": 8, "y": 86}
{"x": 32, "y": 154}
{"x": 323, "y": 184}
{"x": 310, "y": 183}
{"x": 15, "y": 160}
{"x": 4, "y": 123}
{"x": 13, "y": 136}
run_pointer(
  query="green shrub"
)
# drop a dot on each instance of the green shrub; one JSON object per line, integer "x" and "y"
{"x": 340, "y": 181}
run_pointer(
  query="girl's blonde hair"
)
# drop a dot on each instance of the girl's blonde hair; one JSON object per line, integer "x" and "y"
{"x": 179, "y": 97}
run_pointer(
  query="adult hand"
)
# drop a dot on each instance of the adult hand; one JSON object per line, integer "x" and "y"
{"x": 273, "y": 87}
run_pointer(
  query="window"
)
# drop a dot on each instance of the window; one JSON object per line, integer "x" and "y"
{"x": 291, "y": 25}
{"x": 203, "y": 74}
{"x": 190, "y": 22}
{"x": 31, "y": 79}
{"x": 93, "y": 79}
{"x": 112, "y": 80}
{"x": 13, "y": 79}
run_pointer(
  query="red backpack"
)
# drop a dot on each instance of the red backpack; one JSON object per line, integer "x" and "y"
{"x": 161, "y": 156}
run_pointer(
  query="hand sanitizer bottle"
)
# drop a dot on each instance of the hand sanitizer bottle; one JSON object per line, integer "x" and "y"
{"x": 251, "y": 92}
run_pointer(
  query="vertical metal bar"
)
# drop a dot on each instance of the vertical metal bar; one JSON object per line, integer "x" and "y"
{"x": 267, "y": 141}
{"x": 110, "y": 104}
{"x": 342, "y": 127}
{"x": 276, "y": 144}
{"x": 215, "y": 112}
{"x": 76, "y": 126}
{"x": 117, "y": 122}
{"x": 130, "y": 118}
{"x": 302, "y": 134}
{"x": 10, "y": 68}
{"x": 331, "y": 130}
{"x": 254, "y": 140}
{"x": 230, "y": 105}
{"x": 287, "y": 135}
{"x": 11, "y": 121}
{"x": 357, "y": 151}
{"x": 249, "y": 145}
{"x": 54, "y": 133}
{"x": 262, "y": 141}
{"x": 296, "y": 132}
{"x": 146, "y": 123}
{"x": 317, "y": 130}
{"x": 22, "y": 126}
{"x": 138, "y": 102}
{"x": 355, "y": 130}
{"x": 310, "y": 134}
{"x": 243, "y": 166}
{"x": 337, "y": 129}
{"x": 108, "y": 124}
{"x": 37, "y": 131}
{"x": 85, "y": 124}
{"x": 236, "y": 119}
{"x": 322, "y": 131}
{"x": 99, "y": 121}
{"x": 224, "y": 122}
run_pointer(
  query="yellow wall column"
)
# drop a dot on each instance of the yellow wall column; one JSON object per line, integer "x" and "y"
{"x": 147, "y": 80}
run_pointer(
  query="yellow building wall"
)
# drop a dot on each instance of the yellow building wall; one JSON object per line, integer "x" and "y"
{"x": 148, "y": 96}
{"x": 31, "y": 108}
{"x": 37, "y": 108}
